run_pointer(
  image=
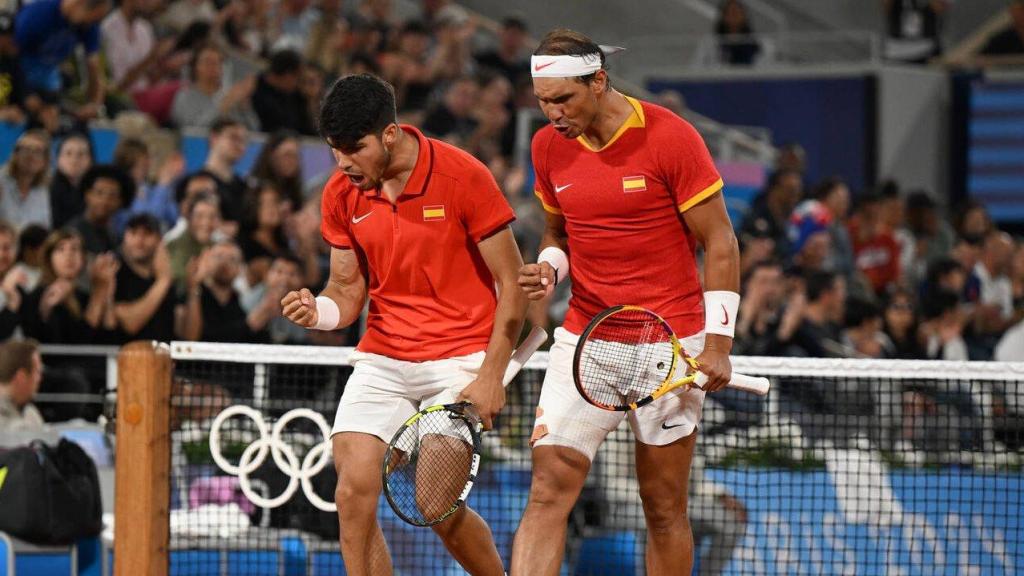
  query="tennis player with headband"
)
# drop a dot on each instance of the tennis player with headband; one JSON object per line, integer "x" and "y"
{"x": 629, "y": 190}
{"x": 423, "y": 228}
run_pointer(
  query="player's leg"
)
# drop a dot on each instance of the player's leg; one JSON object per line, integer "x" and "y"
{"x": 565, "y": 438}
{"x": 465, "y": 535}
{"x": 558, "y": 477}
{"x": 372, "y": 407}
{"x": 664, "y": 473}
{"x": 666, "y": 433}
{"x": 358, "y": 458}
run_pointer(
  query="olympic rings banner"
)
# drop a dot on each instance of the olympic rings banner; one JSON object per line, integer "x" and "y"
{"x": 284, "y": 456}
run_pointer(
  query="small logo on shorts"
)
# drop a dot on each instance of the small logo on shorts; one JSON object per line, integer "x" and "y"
{"x": 665, "y": 426}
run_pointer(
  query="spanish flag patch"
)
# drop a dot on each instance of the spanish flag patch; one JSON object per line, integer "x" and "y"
{"x": 634, "y": 184}
{"x": 432, "y": 213}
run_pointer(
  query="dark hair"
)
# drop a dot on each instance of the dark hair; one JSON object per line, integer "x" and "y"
{"x": 860, "y": 310}
{"x": 110, "y": 172}
{"x": 889, "y": 190}
{"x": 285, "y": 62}
{"x": 194, "y": 60}
{"x": 222, "y": 123}
{"x": 867, "y": 199}
{"x": 720, "y": 22}
{"x": 776, "y": 178}
{"x": 818, "y": 283}
{"x": 128, "y": 151}
{"x": 356, "y": 106}
{"x": 289, "y": 257}
{"x": 32, "y": 237}
{"x": 202, "y": 197}
{"x": 565, "y": 42}
{"x": 75, "y": 135}
{"x": 143, "y": 220}
{"x": 181, "y": 188}
{"x": 920, "y": 200}
{"x": 514, "y": 23}
{"x": 290, "y": 187}
{"x": 937, "y": 302}
{"x": 941, "y": 268}
{"x": 824, "y": 188}
{"x": 15, "y": 356}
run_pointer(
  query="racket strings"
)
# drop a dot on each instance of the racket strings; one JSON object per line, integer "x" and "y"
{"x": 430, "y": 466}
{"x": 625, "y": 358}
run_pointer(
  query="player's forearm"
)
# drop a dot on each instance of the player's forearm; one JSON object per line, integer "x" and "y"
{"x": 508, "y": 324}
{"x": 349, "y": 299}
{"x": 721, "y": 272}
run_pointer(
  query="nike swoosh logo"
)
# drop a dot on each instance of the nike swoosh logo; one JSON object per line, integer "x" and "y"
{"x": 665, "y": 426}
{"x": 540, "y": 67}
{"x": 560, "y": 188}
{"x": 361, "y": 218}
{"x": 726, "y": 312}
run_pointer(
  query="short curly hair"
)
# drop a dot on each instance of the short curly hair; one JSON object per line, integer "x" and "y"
{"x": 356, "y": 106}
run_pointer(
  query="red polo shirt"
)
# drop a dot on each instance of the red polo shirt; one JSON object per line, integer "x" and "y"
{"x": 431, "y": 293}
{"x": 623, "y": 205}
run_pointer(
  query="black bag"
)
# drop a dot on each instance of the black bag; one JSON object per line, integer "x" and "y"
{"x": 49, "y": 495}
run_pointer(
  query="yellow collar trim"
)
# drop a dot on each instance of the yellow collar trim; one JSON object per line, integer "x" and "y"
{"x": 635, "y": 120}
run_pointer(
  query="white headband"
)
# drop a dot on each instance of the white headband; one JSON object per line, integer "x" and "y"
{"x": 569, "y": 66}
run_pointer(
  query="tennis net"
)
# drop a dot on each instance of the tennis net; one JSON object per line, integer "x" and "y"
{"x": 846, "y": 467}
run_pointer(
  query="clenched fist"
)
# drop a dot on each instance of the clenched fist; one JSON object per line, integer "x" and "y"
{"x": 300, "y": 307}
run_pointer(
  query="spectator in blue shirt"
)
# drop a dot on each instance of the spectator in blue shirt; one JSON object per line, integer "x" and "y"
{"x": 47, "y": 32}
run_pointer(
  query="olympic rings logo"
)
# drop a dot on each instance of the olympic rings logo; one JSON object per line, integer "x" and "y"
{"x": 283, "y": 455}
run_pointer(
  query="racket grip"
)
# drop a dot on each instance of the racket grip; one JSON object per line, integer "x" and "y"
{"x": 533, "y": 340}
{"x": 753, "y": 384}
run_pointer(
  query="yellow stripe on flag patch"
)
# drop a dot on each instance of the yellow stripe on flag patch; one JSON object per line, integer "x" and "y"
{"x": 634, "y": 184}
{"x": 433, "y": 213}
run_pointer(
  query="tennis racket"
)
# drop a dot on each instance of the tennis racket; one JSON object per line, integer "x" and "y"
{"x": 432, "y": 461}
{"x": 628, "y": 357}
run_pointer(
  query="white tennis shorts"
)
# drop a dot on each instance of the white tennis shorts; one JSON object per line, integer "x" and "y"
{"x": 382, "y": 392}
{"x": 564, "y": 418}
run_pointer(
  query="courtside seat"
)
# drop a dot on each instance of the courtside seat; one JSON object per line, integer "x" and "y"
{"x": 21, "y": 557}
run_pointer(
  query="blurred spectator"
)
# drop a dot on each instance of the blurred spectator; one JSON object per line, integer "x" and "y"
{"x": 185, "y": 191}
{"x": 1017, "y": 276}
{"x": 376, "y": 17}
{"x": 277, "y": 100}
{"x": 946, "y": 274}
{"x": 74, "y": 158}
{"x": 756, "y": 247}
{"x": 327, "y": 43}
{"x": 411, "y": 70}
{"x": 132, "y": 157}
{"x": 1010, "y": 40}
{"x": 792, "y": 156}
{"x": 901, "y": 323}
{"x": 228, "y": 140}
{"x": 24, "y": 180}
{"x": 312, "y": 87}
{"x": 21, "y": 372}
{"x": 129, "y": 41}
{"x": 817, "y": 333}
{"x": 511, "y": 56}
{"x": 943, "y": 326}
{"x": 770, "y": 211}
{"x": 810, "y": 237}
{"x": 737, "y": 44}
{"x": 12, "y": 281}
{"x": 834, "y": 196}
{"x": 213, "y": 310}
{"x": 864, "y": 330}
{"x": 13, "y": 99}
{"x": 279, "y": 164}
{"x": 30, "y": 254}
{"x": 914, "y": 29}
{"x": 452, "y": 119}
{"x": 295, "y": 20}
{"x": 206, "y": 99}
{"x": 48, "y": 31}
{"x": 180, "y": 14}
{"x": 990, "y": 288}
{"x": 876, "y": 254}
{"x": 262, "y": 237}
{"x": 933, "y": 237}
{"x": 60, "y": 312}
{"x": 495, "y": 134}
{"x": 285, "y": 274}
{"x": 1011, "y": 345}
{"x": 760, "y": 314}
{"x": 106, "y": 189}
{"x": 972, "y": 222}
{"x": 144, "y": 300}
{"x": 202, "y": 216}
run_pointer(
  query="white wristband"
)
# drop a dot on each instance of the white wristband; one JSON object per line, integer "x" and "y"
{"x": 558, "y": 260}
{"x": 720, "y": 308}
{"x": 328, "y": 315}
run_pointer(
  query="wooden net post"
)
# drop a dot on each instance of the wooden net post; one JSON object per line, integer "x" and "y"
{"x": 141, "y": 523}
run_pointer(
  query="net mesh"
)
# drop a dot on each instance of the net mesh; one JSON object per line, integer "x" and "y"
{"x": 846, "y": 467}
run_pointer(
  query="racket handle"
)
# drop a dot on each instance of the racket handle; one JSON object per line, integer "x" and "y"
{"x": 534, "y": 339}
{"x": 753, "y": 384}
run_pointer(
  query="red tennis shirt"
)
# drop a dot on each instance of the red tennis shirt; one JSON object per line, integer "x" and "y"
{"x": 623, "y": 205}
{"x": 431, "y": 293}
